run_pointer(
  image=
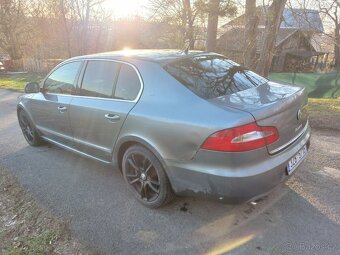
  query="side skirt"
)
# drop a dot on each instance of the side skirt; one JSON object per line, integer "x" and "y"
{"x": 75, "y": 150}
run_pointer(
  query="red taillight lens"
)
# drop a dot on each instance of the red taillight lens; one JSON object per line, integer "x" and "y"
{"x": 243, "y": 138}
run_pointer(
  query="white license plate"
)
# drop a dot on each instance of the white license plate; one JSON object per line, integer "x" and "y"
{"x": 296, "y": 160}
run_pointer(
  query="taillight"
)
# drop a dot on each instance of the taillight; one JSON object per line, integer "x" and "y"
{"x": 243, "y": 138}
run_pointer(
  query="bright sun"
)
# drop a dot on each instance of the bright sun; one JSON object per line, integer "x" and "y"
{"x": 125, "y": 8}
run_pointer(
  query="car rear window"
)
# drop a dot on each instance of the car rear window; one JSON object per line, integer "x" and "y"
{"x": 213, "y": 76}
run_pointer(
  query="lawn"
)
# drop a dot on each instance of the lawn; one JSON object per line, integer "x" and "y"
{"x": 18, "y": 81}
{"x": 318, "y": 85}
{"x": 324, "y": 113}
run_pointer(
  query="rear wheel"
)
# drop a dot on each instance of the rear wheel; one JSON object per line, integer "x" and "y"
{"x": 29, "y": 131}
{"x": 146, "y": 177}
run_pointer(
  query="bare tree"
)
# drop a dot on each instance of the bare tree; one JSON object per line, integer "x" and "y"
{"x": 63, "y": 9}
{"x": 83, "y": 10}
{"x": 331, "y": 8}
{"x": 250, "y": 32}
{"x": 14, "y": 29}
{"x": 188, "y": 14}
{"x": 214, "y": 6}
{"x": 274, "y": 16}
{"x": 180, "y": 17}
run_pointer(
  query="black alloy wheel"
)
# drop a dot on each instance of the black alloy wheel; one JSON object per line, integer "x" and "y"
{"x": 28, "y": 130}
{"x": 146, "y": 177}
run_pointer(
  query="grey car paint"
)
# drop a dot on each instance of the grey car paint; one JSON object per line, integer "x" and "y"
{"x": 173, "y": 123}
{"x": 105, "y": 116}
{"x": 50, "y": 115}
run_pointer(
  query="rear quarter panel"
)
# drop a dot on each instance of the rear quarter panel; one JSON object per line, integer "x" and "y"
{"x": 173, "y": 120}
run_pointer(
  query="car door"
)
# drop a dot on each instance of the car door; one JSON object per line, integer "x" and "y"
{"x": 107, "y": 93}
{"x": 49, "y": 108}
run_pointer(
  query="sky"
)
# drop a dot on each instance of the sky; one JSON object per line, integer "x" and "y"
{"x": 126, "y": 8}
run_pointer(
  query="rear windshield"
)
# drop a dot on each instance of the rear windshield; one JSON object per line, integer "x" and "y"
{"x": 213, "y": 76}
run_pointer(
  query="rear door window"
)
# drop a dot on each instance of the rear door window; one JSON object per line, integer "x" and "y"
{"x": 99, "y": 79}
{"x": 128, "y": 83}
{"x": 213, "y": 76}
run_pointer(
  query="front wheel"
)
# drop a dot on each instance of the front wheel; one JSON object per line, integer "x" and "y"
{"x": 146, "y": 177}
{"x": 30, "y": 133}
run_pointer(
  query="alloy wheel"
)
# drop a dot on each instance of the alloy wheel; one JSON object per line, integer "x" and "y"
{"x": 26, "y": 128}
{"x": 142, "y": 176}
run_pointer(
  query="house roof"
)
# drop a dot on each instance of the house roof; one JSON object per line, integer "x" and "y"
{"x": 302, "y": 19}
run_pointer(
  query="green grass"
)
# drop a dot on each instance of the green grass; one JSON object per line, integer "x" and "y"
{"x": 324, "y": 113}
{"x": 324, "y": 106}
{"x": 318, "y": 85}
{"x": 18, "y": 81}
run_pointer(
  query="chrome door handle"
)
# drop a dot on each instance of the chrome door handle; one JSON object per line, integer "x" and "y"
{"x": 62, "y": 108}
{"x": 112, "y": 117}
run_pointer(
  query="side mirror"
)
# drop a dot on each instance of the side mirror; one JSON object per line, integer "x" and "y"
{"x": 32, "y": 87}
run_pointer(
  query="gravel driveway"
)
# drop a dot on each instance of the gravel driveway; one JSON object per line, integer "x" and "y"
{"x": 301, "y": 217}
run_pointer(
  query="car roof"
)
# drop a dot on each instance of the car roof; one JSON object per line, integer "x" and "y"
{"x": 160, "y": 56}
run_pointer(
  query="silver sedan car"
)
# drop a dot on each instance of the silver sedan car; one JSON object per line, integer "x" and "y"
{"x": 191, "y": 123}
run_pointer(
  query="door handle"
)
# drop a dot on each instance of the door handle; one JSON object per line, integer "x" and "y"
{"x": 62, "y": 108}
{"x": 112, "y": 117}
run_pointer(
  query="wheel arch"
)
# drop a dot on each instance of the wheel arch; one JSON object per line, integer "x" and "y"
{"x": 21, "y": 107}
{"x": 124, "y": 143}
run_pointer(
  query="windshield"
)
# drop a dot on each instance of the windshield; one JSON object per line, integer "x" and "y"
{"x": 213, "y": 76}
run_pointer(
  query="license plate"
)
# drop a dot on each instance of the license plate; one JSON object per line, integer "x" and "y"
{"x": 296, "y": 160}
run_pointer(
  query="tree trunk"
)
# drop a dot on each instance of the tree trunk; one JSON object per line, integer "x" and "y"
{"x": 250, "y": 32}
{"x": 85, "y": 27}
{"x": 13, "y": 49}
{"x": 189, "y": 33}
{"x": 66, "y": 29}
{"x": 274, "y": 15}
{"x": 337, "y": 47}
{"x": 212, "y": 25}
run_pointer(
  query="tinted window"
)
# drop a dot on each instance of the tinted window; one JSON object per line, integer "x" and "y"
{"x": 62, "y": 80}
{"x": 128, "y": 84}
{"x": 99, "y": 79}
{"x": 213, "y": 76}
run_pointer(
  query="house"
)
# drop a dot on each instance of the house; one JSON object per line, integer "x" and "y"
{"x": 297, "y": 46}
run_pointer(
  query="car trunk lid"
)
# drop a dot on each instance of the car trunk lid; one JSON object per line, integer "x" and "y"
{"x": 272, "y": 104}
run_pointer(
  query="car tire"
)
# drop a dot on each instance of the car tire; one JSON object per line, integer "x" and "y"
{"x": 145, "y": 176}
{"x": 28, "y": 129}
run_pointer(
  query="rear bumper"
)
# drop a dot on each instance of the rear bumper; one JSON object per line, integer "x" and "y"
{"x": 233, "y": 177}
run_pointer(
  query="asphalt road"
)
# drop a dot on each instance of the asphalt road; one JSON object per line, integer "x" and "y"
{"x": 301, "y": 217}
